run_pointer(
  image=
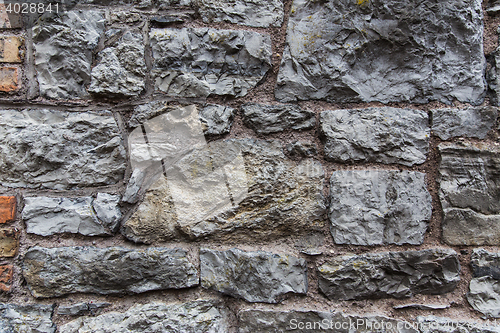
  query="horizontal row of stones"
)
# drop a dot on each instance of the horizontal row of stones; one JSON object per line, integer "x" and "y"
{"x": 209, "y": 315}
{"x": 335, "y": 51}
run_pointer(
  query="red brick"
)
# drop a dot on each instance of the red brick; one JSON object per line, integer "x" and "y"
{"x": 7, "y": 209}
{"x": 10, "y": 48}
{"x": 9, "y": 242}
{"x": 8, "y": 79}
{"x": 9, "y": 21}
{"x": 6, "y": 272}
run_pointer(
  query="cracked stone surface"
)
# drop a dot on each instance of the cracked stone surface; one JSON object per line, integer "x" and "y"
{"x": 253, "y": 13}
{"x": 469, "y": 180}
{"x": 52, "y": 272}
{"x": 267, "y": 196}
{"x": 60, "y": 150}
{"x": 472, "y": 122}
{"x": 383, "y": 135}
{"x": 26, "y": 318}
{"x": 191, "y": 317}
{"x": 374, "y": 207}
{"x": 266, "y": 119}
{"x": 390, "y": 274}
{"x": 364, "y": 51}
{"x": 484, "y": 288}
{"x": 254, "y": 276}
{"x": 121, "y": 69}
{"x": 198, "y": 62}
{"x": 63, "y": 57}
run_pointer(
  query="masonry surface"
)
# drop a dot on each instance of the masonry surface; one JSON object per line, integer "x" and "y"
{"x": 250, "y": 166}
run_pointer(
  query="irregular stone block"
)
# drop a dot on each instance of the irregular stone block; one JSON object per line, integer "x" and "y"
{"x": 60, "y": 150}
{"x": 216, "y": 119}
{"x": 198, "y": 62}
{"x": 121, "y": 69}
{"x": 82, "y": 309}
{"x": 192, "y": 317}
{"x": 473, "y": 122}
{"x": 266, "y": 196}
{"x": 48, "y": 216}
{"x": 484, "y": 294}
{"x": 374, "y": 207}
{"x": 63, "y": 57}
{"x": 301, "y": 149}
{"x": 9, "y": 79}
{"x": 382, "y": 135}
{"x": 390, "y": 274}
{"x": 254, "y": 276}
{"x": 433, "y": 324}
{"x": 113, "y": 270}
{"x": 9, "y": 242}
{"x": 253, "y": 13}
{"x": 7, "y": 208}
{"x": 27, "y": 318}
{"x": 264, "y": 321}
{"x": 470, "y": 178}
{"x": 266, "y": 119}
{"x": 6, "y": 273}
{"x": 347, "y": 51}
{"x": 11, "y": 49}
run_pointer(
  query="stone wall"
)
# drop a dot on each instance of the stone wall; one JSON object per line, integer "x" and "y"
{"x": 250, "y": 166}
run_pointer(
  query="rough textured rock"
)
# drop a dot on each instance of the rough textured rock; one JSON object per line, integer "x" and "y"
{"x": 493, "y": 7}
{"x": 198, "y": 62}
{"x": 433, "y": 324}
{"x": 121, "y": 69}
{"x": 345, "y": 51}
{"x": 374, "y": 207}
{"x": 26, "y": 318}
{"x": 304, "y": 321}
{"x": 63, "y": 57}
{"x": 266, "y": 119}
{"x": 472, "y": 122}
{"x": 254, "y": 276}
{"x": 267, "y": 196}
{"x": 107, "y": 210}
{"x": 192, "y": 317}
{"x": 383, "y": 135}
{"x": 390, "y": 274}
{"x": 301, "y": 149}
{"x": 216, "y": 119}
{"x": 9, "y": 242}
{"x": 469, "y": 179}
{"x": 484, "y": 294}
{"x": 60, "y": 150}
{"x": 82, "y": 309}
{"x": 113, "y": 270}
{"x": 254, "y": 13}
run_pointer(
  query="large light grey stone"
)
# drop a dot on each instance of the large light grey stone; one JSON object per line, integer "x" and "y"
{"x": 310, "y": 321}
{"x": 63, "y": 52}
{"x": 198, "y": 62}
{"x": 374, "y": 207}
{"x": 390, "y": 274}
{"x": 254, "y": 276}
{"x": 469, "y": 180}
{"x": 253, "y": 13}
{"x": 266, "y": 119}
{"x": 472, "y": 122}
{"x": 52, "y": 272}
{"x": 484, "y": 288}
{"x": 383, "y": 135}
{"x": 206, "y": 316}
{"x": 433, "y": 324}
{"x": 26, "y": 318}
{"x": 60, "y": 150}
{"x": 231, "y": 190}
{"x": 362, "y": 51}
{"x": 121, "y": 69}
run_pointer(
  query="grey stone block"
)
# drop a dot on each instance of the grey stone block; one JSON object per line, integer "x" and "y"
{"x": 345, "y": 51}
{"x": 375, "y": 207}
{"x": 216, "y": 119}
{"x": 254, "y": 276}
{"x": 467, "y": 227}
{"x": 266, "y": 119}
{"x": 383, "y": 135}
{"x": 253, "y": 13}
{"x": 60, "y": 150}
{"x": 113, "y": 270}
{"x": 198, "y": 62}
{"x": 121, "y": 69}
{"x": 472, "y": 122}
{"x": 63, "y": 57}
{"x": 390, "y": 274}
{"x": 484, "y": 294}
{"x": 107, "y": 210}
{"x": 26, "y": 318}
{"x": 301, "y": 149}
{"x": 82, "y": 309}
{"x": 191, "y": 317}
